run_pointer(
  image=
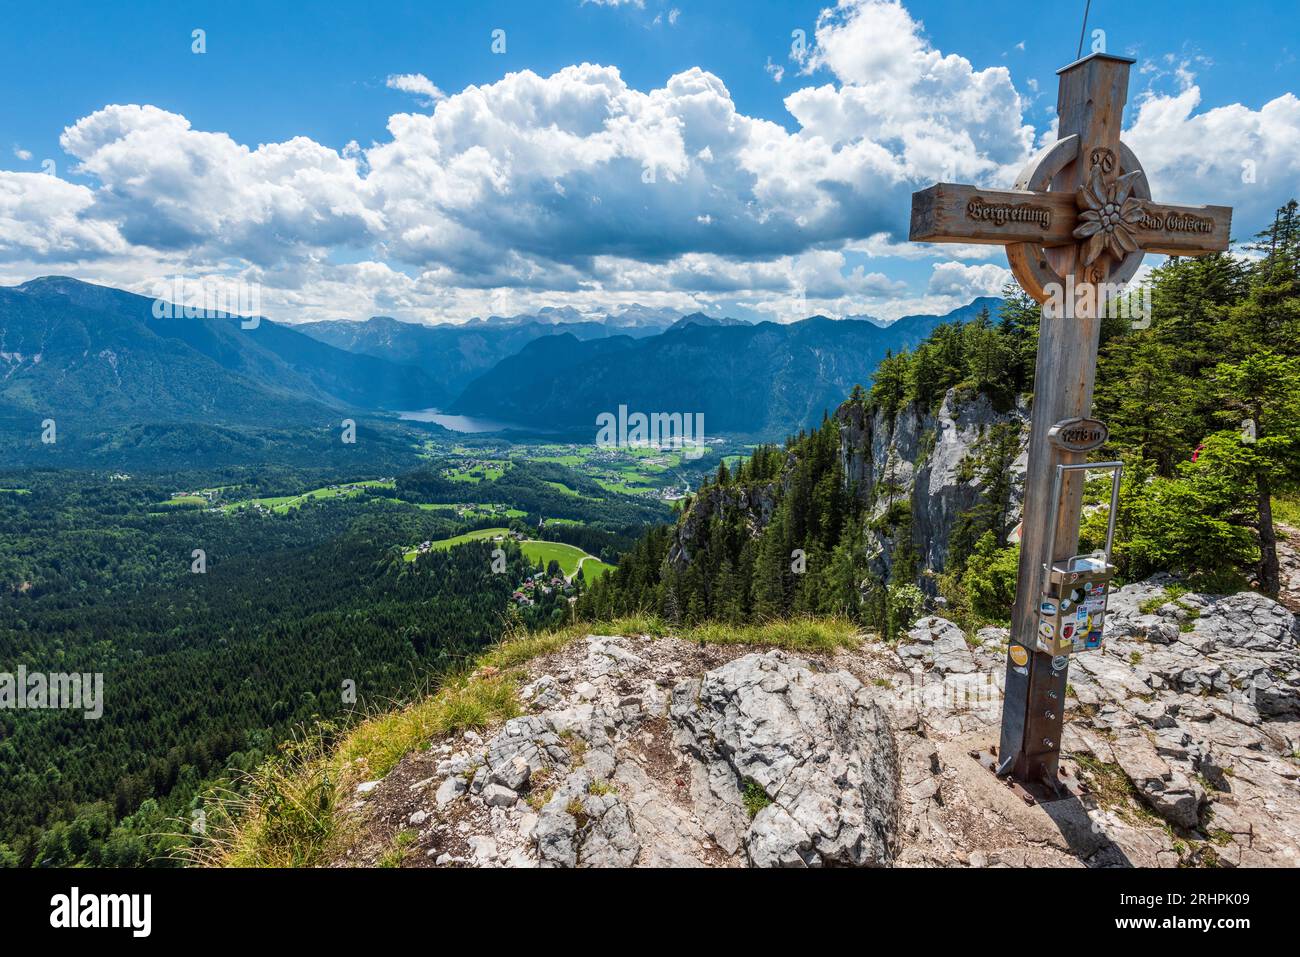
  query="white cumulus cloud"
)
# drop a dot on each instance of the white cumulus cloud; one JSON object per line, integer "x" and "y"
{"x": 962, "y": 283}
{"x": 577, "y": 188}
{"x": 417, "y": 84}
{"x": 43, "y": 219}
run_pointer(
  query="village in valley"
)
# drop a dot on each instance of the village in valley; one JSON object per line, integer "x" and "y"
{"x": 642, "y": 470}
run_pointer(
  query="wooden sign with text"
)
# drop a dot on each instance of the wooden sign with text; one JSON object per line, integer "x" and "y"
{"x": 949, "y": 213}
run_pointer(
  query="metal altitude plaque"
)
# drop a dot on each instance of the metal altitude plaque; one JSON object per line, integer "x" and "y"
{"x": 1078, "y": 434}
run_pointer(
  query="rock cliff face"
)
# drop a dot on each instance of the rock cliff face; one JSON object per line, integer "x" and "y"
{"x": 921, "y": 461}
{"x": 915, "y": 464}
{"x": 640, "y": 751}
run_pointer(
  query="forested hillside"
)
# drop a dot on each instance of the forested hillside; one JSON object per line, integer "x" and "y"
{"x": 206, "y": 672}
{"x": 1203, "y": 404}
{"x": 89, "y": 376}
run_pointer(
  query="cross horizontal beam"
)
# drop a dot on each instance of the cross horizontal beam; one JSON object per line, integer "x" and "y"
{"x": 954, "y": 213}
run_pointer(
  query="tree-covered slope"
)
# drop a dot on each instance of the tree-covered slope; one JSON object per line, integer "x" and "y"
{"x": 296, "y": 620}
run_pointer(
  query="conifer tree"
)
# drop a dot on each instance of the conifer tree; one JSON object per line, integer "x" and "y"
{"x": 1265, "y": 387}
{"x": 889, "y": 388}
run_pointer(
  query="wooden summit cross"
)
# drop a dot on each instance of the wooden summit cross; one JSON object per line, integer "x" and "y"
{"x": 1076, "y": 227}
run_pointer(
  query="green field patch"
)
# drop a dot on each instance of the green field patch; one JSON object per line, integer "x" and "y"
{"x": 622, "y": 488}
{"x": 477, "y": 535}
{"x": 563, "y": 489}
{"x": 642, "y": 451}
{"x": 594, "y": 568}
{"x": 472, "y": 510}
{"x": 568, "y": 556}
{"x": 280, "y": 504}
{"x": 203, "y": 496}
{"x": 444, "y": 543}
{"x": 546, "y": 552}
{"x": 560, "y": 454}
{"x": 485, "y": 470}
{"x": 185, "y": 500}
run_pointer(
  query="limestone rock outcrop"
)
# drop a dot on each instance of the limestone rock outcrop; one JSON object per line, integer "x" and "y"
{"x": 653, "y": 751}
{"x": 811, "y": 753}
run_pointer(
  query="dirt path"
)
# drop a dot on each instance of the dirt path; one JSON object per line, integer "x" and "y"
{"x": 584, "y": 558}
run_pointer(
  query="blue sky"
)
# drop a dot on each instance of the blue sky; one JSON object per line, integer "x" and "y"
{"x": 482, "y": 228}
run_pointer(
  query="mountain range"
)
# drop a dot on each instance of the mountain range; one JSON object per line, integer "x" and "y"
{"x": 75, "y": 349}
{"x": 97, "y": 358}
{"x": 454, "y": 355}
{"x": 629, "y": 318}
{"x": 765, "y": 379}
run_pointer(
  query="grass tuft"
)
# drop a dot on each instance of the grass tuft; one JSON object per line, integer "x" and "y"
{"x": 284, "y": 815}
{"x": 401, "y": 848}
{"x": 1286, "y": 509}
{"x": 755, "y": 797}
{"x": 577, "y": 811}
{"x": 464, "y": 703}
{"x": 824, "y": 635}
{"x": 1115, "y": 792}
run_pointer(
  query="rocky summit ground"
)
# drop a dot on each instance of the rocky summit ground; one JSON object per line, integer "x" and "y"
{"x": 641, "y": 751}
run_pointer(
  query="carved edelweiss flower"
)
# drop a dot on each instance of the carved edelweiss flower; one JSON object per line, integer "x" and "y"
{"x": 1108, "y": 212}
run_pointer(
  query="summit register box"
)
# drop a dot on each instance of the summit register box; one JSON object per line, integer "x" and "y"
{"x": 1072, "y": 609}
